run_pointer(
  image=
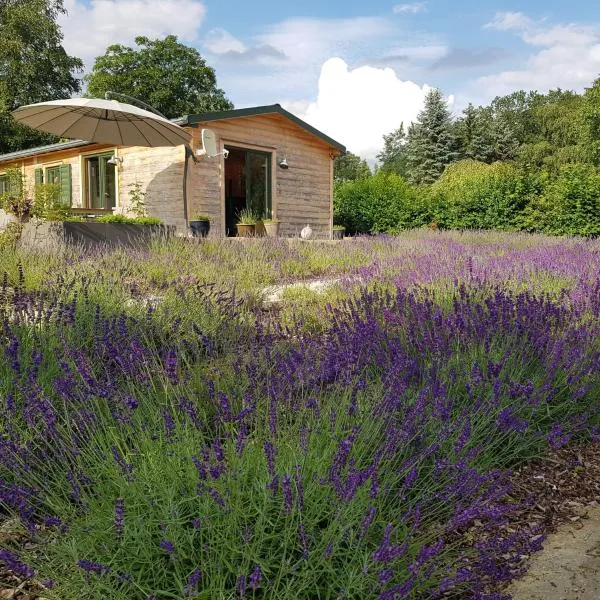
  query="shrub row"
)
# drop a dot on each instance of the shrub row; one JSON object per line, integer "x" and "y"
{"x": 474, "y": 195}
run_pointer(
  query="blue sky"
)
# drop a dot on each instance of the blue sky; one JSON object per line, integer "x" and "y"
{"x": 356, "y": 69}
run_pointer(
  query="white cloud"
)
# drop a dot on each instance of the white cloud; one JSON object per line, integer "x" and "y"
{"x": 305, "y": 41}
{"x": 509, "y": 21}
{"x": 358, "y": 106}
{"x": 220, "y": 41}
{"x": 413, "y": 8}
{"x": 566, "y": 56}
{"x": 89, "y": 28}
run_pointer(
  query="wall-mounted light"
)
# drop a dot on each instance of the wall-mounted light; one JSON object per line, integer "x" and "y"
{"x": 283, "y": 163}
{"x": 115, "y": 160}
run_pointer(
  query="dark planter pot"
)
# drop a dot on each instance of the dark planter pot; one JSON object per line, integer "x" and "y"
{"x": 338, "y": 234}
{"x": 246, "y": 230}
{"x": 92, "y": 235}
{"x": 200, "y": 228}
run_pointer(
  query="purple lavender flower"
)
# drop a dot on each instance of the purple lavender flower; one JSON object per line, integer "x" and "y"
{"x": 192, "y": 583}
{"x": 385, "y": 575}
{"x": 367, "y": 520}
{"x": 119, "y": 516}
{"x": 255, "y": 578}
{"x": 171, "y": 365}
{"x": 14, "y": 564}
{"x": 241, "y": 586}
{"x": 130, "y": 402}
{"x": 167, "y": 546}
{"x": 90, "y": 567}
{"x": 387, "y": 552}
{"x": 303, "y": 541}
{"x": 270, "y": 455}
{"x": 169, "y": 425}
{"x": 288, "y": 500}
{"x": 216, "y": 496}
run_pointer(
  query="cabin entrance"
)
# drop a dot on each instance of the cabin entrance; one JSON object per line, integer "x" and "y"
{"x": 247, "y": 185}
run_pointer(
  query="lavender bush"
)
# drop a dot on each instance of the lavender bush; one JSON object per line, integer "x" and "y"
{"x": 204, "y": 448}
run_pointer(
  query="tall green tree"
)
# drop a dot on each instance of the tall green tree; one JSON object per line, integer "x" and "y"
{"x": 392, "y": 158}
{"x": 34, "y": 66}
{"x": 171, "y": 77}
{"x": 590, "y": 123}
{"x": 431, "y": 144}
{"x": 350, "y": 167}
{"x": 484, "y": 137}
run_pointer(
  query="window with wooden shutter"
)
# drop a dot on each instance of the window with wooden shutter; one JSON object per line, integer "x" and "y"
{"x": 39, "y": 176}
{"x": 4, "y": 184}
{"x": 61, "y": 176}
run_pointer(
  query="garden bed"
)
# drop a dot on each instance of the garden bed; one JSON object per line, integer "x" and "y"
{"x": 49, "y": 235}
{"x": 383, "y": 437}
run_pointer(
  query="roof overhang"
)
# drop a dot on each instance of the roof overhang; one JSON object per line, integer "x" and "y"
{"x": 193, "y": 120}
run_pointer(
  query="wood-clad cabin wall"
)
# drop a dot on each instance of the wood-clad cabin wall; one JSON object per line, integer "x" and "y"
{"x": 158, "y": 170}
{"x": 301, "y": 194}
{"x": 160, "y": 173}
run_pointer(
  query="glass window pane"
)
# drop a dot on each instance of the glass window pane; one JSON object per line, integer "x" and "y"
{"x": 110, "y": 180}
{"x": 258, "y": 183}
{"x": 93, "y": 183}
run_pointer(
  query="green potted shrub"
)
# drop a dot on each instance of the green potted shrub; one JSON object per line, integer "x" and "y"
{"x": 246, "y": 223}
{"x": 271, "y": 227}
{"x": 200, "y": 226}
{"x": 338, "y": 232}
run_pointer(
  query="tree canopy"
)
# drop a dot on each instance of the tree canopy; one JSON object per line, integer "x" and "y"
{"x": 171, "y": 77}
{"x": 393, "y": 156}
{"x": 34, "y": 66}
{"x": 349, "y": 167}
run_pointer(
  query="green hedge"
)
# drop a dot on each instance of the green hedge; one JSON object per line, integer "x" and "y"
{"x": 382, "y": 203}
{"x": 569, "y": 205}
{"x": 475, "y": 195}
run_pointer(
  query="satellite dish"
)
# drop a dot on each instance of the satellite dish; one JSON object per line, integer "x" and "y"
{"x": 209, "y": 143}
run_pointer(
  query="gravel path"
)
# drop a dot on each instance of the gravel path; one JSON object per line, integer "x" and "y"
{"x": 568, "y": 568}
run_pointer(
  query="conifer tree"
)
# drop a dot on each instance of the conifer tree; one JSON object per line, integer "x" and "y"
{"x": 392, "y": 158}
{"x": 431, "y": 143}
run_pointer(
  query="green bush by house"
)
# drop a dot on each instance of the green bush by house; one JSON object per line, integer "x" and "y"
{"x": 382, "y": 203}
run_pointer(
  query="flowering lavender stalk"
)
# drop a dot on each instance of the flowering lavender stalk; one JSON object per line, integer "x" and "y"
{"x": 255, "y": 578}
{"x": 120, "y": 516}
{"x": 270, "y": 455}
{"x": 167, "y": 546}
{"x": 192, "y": 583}
{"x": 15, "y": 564}
{"x": 241, "y": 586}
{"x": 288, "y": 499}
{"x": 90, "y": 567}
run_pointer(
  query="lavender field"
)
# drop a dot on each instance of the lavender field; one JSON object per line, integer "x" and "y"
{"x": 165, "y": 435}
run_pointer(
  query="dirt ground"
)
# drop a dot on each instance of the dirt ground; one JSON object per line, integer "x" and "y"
{"x": 568, "y": 568}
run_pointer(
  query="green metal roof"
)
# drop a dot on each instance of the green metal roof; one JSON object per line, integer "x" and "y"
{"x": 259, "y": 110}
{"x": 42, "y": 150}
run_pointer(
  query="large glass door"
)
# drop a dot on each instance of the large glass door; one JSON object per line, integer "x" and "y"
{"x": 101, "y": 182}
{"x": 258, "y": 183}
{"x": 247, "y": 185}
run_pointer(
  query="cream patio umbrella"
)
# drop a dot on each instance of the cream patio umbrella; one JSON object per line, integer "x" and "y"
{"x": 102, "y": 121}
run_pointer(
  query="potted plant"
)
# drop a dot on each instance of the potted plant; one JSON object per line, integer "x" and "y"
{"x": 271, "y": 227}
{"x": 338, "y": 232}
{"x": 246, "y": 223}
{"x": 200, "y": 225}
